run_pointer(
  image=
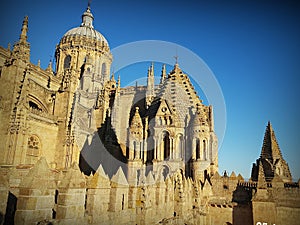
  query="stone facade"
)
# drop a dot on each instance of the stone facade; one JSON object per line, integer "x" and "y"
{"x": 77, "y": 148}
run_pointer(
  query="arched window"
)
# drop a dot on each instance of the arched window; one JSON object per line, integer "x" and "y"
{"x": 197, "y": 149}
{"x": 166, "y": 145}
{"x": 103, "y": 69}
{"x": 204, "y": 149}
{"x": 33, "y": 149}
{"x": 67, "y": 62}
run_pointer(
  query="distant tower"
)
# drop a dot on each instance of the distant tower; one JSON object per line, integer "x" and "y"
{"x": 271, "y": 159}
{"x": 204, "y": 144}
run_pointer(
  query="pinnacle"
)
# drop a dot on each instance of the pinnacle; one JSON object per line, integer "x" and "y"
{"x": 261, "y": 183}
{"x": 100, "y": 179}
{"x": 119, "y": 178}
{"x": 150, "y": 179}
{"x": 101, "y": 172}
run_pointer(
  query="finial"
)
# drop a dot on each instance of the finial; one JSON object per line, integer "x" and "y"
{"x": 87, "y": 17}
{"x": 113, "y": 77}
{"x": 39, "y": 63}
{"x": 8, "y": 46}
{"x": 176, "y": 59}
{"x": 49, "y": 68}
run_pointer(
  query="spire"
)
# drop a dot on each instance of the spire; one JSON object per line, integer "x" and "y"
{"x": 21, "y": 48}
{"x": 87, "y": 17}
{"x": 23, "y": 36}
{"x": 163, "y": 74}
{"x": 150, "y": 86}
{"x": 270, "y": 149}
{"x": 152, "y": 69}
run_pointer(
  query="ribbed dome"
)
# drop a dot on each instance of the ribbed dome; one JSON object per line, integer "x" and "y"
{"x": 86, "y": 28}
{"x": 86, "y": 31}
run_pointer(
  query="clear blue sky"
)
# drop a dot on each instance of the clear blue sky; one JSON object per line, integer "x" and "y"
{"x": 252, "y": 47}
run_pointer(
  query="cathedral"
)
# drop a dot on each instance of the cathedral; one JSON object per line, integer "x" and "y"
{"x": 77, "y": 148}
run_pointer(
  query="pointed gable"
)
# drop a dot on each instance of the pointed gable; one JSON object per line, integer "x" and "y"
{"x": 164, "y": 109}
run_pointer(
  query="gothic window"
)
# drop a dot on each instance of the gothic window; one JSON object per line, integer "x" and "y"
{"x": 166, "y": 145}
{"x": 67, "y": 62}
{"x": 33, "y": 146}
{"x": 197, "y": 149}
{"x": 33, "y": 149}
{"x": 33, "y": 105}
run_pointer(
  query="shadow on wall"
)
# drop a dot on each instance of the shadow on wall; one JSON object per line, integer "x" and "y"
{"x": 10, "y": 209}
{"x": 242, "y": 212}
{"x": 103, "y": 149}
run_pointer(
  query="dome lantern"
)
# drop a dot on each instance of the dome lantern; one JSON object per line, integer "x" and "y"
{"x": 87, "y": 18}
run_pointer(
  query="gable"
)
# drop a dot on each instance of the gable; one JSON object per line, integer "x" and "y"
{"x": 164, "y": 109}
